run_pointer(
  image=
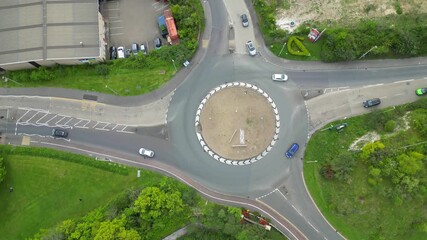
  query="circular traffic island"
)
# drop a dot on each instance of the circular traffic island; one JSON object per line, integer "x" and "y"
{"x": 237, "y": 123}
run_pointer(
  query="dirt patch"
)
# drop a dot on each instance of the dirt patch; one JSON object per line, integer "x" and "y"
{"x": 374, "y": 136}
{"x": 347, "y": 11}
{"x": 237, "y": 123}
{"x": 360, "y": 142}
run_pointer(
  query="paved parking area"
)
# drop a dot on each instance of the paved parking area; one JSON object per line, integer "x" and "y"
{"x": 132, "y": 21}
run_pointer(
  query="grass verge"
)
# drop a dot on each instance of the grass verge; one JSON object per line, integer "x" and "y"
{"x": 47, "y": 191}
{"x": 358, "y": 209}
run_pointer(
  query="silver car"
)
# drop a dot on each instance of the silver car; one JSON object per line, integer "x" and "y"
{"x": 146, "y": 152}
{"x": 279, "y": 77}
{"x": 251, "y": 48}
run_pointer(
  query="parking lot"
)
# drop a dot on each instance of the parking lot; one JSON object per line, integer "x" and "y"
{"x": 132, "y": 21}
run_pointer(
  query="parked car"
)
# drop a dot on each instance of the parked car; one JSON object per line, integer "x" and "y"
{"x": 143, "y": 49}
{"x": 280, "y": 77}
{"x": 134, "y": 48}
{"x": 251, "y": 48}
{"x": 146, "y": 152}
{"x": 421, "y": 91}
{"x": 292, "y": 150}
{"x": 113, "y": 53}
{"x": 371, "y": 102}
{"x": 245, "y": 20}
{"x": 157, "y": 43}
{"x": 121, "y": 52}
{"x": 56, "y": 132}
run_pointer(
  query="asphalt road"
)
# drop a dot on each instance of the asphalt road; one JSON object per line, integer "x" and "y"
{"x": 274, "y": 185}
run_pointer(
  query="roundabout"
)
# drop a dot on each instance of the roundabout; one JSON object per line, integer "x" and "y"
{"x": 237, "y": 123}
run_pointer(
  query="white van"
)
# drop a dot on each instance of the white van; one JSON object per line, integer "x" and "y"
{"x": 121, "y": 52}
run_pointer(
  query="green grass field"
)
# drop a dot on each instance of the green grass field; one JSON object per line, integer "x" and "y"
{"x": 120, "y": 81}
{"x": 355, "y": 208}
{"x": 47, "y": 191}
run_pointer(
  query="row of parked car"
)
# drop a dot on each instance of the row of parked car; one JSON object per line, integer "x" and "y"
{"x": 135, "y": 48}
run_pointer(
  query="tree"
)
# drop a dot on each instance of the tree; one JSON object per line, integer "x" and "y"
{"x": 411, "y": 164}
{"x": 66, "y": 227}
{"x": 115, "y": 229}
{"x": 371, "y": 147}
{"x": 153, "y": 203}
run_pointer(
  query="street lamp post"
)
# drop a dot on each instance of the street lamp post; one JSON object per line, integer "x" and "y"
{"x": 173, "y": 62}
{"x": 112, "y": 90}
{"x": 372, "y": 48}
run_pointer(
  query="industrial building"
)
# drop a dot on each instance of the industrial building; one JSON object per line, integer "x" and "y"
{"x": 37, "y": 33}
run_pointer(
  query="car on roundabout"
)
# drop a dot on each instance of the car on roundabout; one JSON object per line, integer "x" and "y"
{"x": 421, "y": 91}
{"x": 146, "y": 152}
{"x": 292, "y": 150}
{"x": 251, "y": 48}
{"x": 279, "y": 77}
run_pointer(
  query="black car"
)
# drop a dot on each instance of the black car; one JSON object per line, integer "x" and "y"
{"x": 371, "y": 102}
{"x": 56, "y": 132}
{"x": 158, "y": 43}
{"x": 113, "y": 53}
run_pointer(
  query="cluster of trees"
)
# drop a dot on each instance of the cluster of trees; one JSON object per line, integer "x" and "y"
{"x": 344, "y": 44}
{"x": 148, "y": 213}
{"x": 266, "y": 13}
{"x": 220, "y": 222}
{"x": 190, "y": 19}
{"x": 154, "y": 212}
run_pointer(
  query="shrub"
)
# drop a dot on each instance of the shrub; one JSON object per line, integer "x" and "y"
{"x": 42, "y": 74}
{"x": 390, "y": 125}
{"x": 370, "y": 7}
{"x": 398, "y": 8}
{"x": 302, "y": 50}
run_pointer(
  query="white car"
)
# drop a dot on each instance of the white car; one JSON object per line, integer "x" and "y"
{"x": 121, "y": 52}
{"x": 143, "y": 49}
{"x": 279, "y": 77}
{"x": 146, "y": 152}
{"x": 251, "y": 48}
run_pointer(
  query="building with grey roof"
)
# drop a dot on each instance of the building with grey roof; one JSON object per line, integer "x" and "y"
{"x": 37, "y": 33}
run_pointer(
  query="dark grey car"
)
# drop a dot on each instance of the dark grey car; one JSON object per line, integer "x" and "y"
{"x": 245, "y": 20}
{"x": 371, "y": 102}
{"x": 56, "y": 132}
{"x": 157, "y": 43}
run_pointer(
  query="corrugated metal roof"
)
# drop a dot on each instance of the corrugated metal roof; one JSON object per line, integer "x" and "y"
{"x": 32, "y": 30}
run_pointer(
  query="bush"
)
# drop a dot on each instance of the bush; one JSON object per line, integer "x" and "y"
{"x": 298, "y": 49}
{"x": 390, "y": 125}
{"x": 340, "y": 45}
{"x": 42, "y": 74}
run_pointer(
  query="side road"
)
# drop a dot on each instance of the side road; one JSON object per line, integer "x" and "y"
{"x": 347, "y": 103}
